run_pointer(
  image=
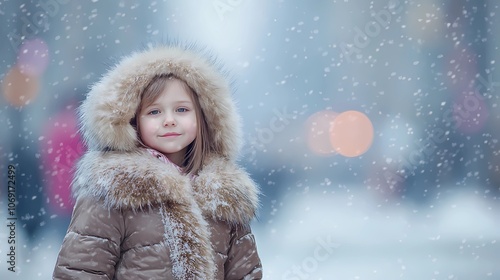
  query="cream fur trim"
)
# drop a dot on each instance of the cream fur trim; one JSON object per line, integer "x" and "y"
{"x": 137, "y": 180}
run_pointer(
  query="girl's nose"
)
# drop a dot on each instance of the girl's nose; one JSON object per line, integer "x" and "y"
{"x": 169, "y": 120}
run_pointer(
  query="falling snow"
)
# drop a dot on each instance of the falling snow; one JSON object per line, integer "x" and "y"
{"x": 371, "y": 127}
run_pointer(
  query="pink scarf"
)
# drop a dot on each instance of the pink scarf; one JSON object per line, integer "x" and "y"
{"x": 164, "y": 159}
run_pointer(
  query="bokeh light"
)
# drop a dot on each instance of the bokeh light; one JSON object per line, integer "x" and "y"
{"x": 19, "y": 88}
{"x": 33, "y": 57}
{"x": 318, "y": 128}
{"x": 351, "y": 133}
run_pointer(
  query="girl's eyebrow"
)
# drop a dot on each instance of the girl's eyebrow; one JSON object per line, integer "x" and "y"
{"x": 183, "y": 101}
{"x": 175, "y": 102}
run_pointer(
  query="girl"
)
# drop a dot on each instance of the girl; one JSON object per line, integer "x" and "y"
{"x": 158, "y": 193}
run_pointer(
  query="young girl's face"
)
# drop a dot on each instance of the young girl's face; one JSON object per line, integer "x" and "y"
{"x": 168, "y": 125}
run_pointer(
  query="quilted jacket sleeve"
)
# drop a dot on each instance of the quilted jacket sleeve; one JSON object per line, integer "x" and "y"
{"x": 243, "y": 261}
{"x": 91, "y": 247}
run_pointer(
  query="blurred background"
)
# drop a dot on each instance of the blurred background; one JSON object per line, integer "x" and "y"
{"x": 370, "y": 126}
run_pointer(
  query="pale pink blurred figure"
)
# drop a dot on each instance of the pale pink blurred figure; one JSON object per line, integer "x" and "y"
{"x": 61, "y": 148}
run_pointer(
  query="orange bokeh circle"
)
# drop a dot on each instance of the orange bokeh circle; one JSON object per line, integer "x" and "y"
{"x": 19, "y": 88}
{"x": 351, "y": 133}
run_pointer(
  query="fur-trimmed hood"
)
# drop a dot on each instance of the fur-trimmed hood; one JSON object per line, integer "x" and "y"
{"x": 105, "y": 117}
{"x": 124, "y": 176}
{"x": 112, "y": 102}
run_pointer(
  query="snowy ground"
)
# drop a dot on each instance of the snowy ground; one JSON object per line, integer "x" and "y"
{"x": 350, "y": 235}
{"x": 357, "y": 236}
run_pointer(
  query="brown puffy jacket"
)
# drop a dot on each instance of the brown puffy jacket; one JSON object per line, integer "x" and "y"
{"x": 138, "y": 218}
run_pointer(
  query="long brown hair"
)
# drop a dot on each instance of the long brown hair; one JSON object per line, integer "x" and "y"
{"x": 199, "y": 149}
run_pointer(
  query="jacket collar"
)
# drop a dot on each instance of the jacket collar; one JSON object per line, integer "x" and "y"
{"x": 136, "y": 180}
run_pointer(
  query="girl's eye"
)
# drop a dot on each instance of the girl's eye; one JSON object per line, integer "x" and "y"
{"x": 154, "y": 112}
{"x": 182, "y": 110}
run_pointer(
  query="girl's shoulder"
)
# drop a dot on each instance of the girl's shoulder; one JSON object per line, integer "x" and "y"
{"x": 127, "y": 179}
